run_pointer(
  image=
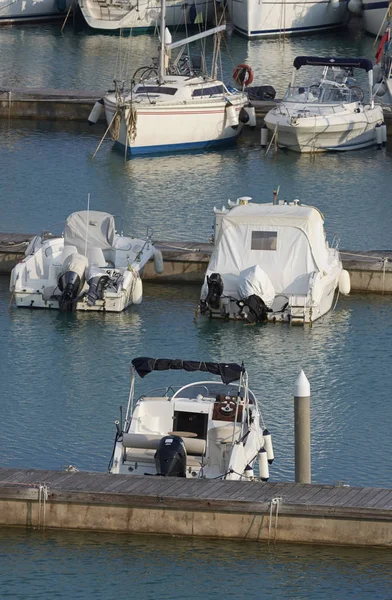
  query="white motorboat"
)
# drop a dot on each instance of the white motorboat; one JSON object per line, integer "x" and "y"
{"x": 30, "y": 10}
{"x": 330, "y": 114}
{"x": 143, "y": 14}
{"x": 280, "y": 18}
{"x": 91, "y": 267}
{"x": 271, "y": 262}
{"x": 206, "y": 429}
{"x": 175, "y": 105}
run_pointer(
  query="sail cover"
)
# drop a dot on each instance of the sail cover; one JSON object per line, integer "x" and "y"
{"x": 96, "y": 227}
{"x": 228, "y": 372}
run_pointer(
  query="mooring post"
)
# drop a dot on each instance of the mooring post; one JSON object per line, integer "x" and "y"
{"x": 303, "y": 473}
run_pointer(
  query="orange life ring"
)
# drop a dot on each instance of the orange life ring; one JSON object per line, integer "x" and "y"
{"x": 243, "y": 75}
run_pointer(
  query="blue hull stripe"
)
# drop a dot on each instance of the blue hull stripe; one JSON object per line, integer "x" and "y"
{"x": 140, "y": 151}
{"x": 57, "y": 15}
{"x": 374, "y": 5}
{"x": 293, "y": 29}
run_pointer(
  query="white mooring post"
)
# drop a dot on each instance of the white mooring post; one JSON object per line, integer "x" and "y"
{"x": 302, "y": 460}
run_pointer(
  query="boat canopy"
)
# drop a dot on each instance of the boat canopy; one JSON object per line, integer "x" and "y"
{"x": 93, "y": 227}
{"x": 324, "y": 61}
{"x": 228, "y": 372}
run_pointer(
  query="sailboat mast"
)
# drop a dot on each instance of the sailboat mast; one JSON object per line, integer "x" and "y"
{"x": 162, "y": 50}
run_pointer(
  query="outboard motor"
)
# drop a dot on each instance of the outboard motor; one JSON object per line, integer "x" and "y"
{"x": 253, "y": 309}
{"x": 170, "y": 457}
{"x": 71, "y": 281}
{"x": 98, "y": 281}
{"x": 215, "y": 291}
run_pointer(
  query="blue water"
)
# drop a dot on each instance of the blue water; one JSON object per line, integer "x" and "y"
{"x": 64, "y": 376}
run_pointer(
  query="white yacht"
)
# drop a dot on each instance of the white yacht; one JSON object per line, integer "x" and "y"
{"x": 271, "y": 262}
{"x": 331, "y": 114}
{"x": 175, "y": 105}
{"x": 278, "y": 18}
{"x": 144, "y": 14}
{"x": 91, "y": 267}
{"x": 206, "y": 429}
{"x": 30, "y": 10}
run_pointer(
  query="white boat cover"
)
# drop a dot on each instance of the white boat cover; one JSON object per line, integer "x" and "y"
{"x": 76, "y": 263}
{"x": 255, "y": 281}
{"x": 300, "y": 246}
{"x": 98, "y": 227}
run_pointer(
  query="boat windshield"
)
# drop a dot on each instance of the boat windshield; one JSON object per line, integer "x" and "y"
{"x": 208, "y": 389}
{"x": 323, "y": 93}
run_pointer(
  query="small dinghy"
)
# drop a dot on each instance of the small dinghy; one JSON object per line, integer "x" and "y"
{"x": 91, "y": 267}
{"x": 271, "y": 262}
{"x": 206, "y": 429}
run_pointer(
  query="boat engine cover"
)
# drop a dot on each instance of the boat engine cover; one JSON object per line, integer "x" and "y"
{"x": 255, "y": 281}
{"x": 170, "y": 457}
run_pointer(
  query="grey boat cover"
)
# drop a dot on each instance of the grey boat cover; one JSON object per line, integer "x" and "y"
{"x": 228, "y": 372}
{"x": 98, "y": 227}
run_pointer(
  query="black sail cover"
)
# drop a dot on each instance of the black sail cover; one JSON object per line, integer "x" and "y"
{"x": 228, "y": 372}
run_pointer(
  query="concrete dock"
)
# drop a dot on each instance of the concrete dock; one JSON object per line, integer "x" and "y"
{"x": 186, "y": 262}
{"x": 269, "y": 512}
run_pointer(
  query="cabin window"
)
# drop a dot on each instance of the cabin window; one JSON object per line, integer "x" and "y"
{"x": 157, "y": 89}
{"x": 264, "y": 240}
{"x": 210, "y": 91}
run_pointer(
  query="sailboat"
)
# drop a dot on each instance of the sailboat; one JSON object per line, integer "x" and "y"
{"x": 175, "y": 105}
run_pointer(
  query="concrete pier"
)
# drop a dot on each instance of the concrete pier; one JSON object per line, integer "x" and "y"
{"x": 186, "y": 262}
{"x": 269, "y": 512}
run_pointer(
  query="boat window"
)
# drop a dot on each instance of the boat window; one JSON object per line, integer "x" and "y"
{"x": 210, "y": 91}
{"x": 191, "y": 422}
{"x": 156, "y": 89}
{"x": 264, "y": 240}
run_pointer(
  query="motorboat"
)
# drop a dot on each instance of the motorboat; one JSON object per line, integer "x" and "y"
{"x": 279, "y": 18}
{"x": 91, "y": 267}
{"x": 174, "y": 104}
{"x": 205, "y": 429}
{"x": 331, "y": 114}
{"x": 271, "y": 262}
{"x": 144, "y": 14}
{"x": 32, "y": 11}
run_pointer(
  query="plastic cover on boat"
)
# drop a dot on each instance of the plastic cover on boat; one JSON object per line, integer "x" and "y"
{"x": 324, "y": 61}
{"x": 298, "y": 250}
{"x": 98, "y": 227}
{"x": 255, "y": 281}
{"x": 227, "y": 371}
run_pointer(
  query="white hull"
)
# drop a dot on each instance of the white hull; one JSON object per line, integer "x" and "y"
{"x": 112, "y": 302}
{"x": 31, "y": 10}
{"x": 274, "y": 18}
{"x": 373, "y": 14}
{"x": 175, "y": 127}
{"x": 143, "y": 14}
{"x": 345, "y": 130}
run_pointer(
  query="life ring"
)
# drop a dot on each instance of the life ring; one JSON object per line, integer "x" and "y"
{"x": 243, "y": 75}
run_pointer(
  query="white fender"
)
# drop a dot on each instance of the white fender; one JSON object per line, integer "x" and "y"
{"x": 231, "y": 115}
{"x": 355, "y": 6}
{"x": 379, "y": 89}
{"x": 263, "y": 464}
{"x": 334, "y": 3}
{"x": 263, "y": 136}
{"x": 378, "y": 133}
{"x": 252, "y": 115}
{"x": 158, "y": 262}
{"x": 344, "y": 282}
{"x": 96, "y": 112}
{"x": 137, "y": 291}
{"x": 127, "y": 280}
{"x": 384, "y": 133}
{"x": 268, "y": 446}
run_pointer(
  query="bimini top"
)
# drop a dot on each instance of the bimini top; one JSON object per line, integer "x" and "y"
{"x": 95, "y": 226}
{"x": 228, "y": 372}
{"x": 325, "y": 61}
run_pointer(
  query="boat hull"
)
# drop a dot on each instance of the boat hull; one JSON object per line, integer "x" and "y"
{"x": 29, "y": 11}
{"x": 270, "y": 19}
{"x": 373, "y": 14}
{"x": 333, "y": 132}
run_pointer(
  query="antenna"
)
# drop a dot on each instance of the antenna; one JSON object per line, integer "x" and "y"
{"x": 87, "y": 220}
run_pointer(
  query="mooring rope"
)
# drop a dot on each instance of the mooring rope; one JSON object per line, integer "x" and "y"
{"x": 275, "y": 502}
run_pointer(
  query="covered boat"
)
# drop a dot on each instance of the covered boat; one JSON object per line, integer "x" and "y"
{"x": 205, "y": 429}
{"x": 271, "y": 262}
{"x": 91, "y": 267}
{"x": 334, "y": 113}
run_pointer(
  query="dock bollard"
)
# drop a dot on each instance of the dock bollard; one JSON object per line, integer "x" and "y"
{"x": 302, "y": 459}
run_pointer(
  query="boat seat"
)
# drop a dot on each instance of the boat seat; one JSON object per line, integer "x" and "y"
{"x": 223, "y": 434}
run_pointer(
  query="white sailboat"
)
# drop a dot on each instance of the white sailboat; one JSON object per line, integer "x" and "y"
{"x": 374, "y": 13}
{"x": 205, "y": 429}
{"x": 26, "y": 11}
{"x": 332, "y": 114}
{"x": 144, "y": 14}
{"x": 176, "y": 105}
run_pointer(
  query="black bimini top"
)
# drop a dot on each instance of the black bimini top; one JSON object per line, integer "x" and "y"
{"x": 324, "y": 61}
{"x": 228, "y": 372}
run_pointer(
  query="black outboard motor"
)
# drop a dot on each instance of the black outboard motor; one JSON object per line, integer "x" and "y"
{"x": 170, "y": 457}
{"x": 215, "y": 291}
{"x": 69, "y": 284}
{"x": 97, "y": 286}
{"x": 253, "y": 309}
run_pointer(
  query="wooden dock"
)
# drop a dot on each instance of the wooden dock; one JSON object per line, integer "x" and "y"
{"x": 270, "y": 512}
{"x": 186, "y": 262}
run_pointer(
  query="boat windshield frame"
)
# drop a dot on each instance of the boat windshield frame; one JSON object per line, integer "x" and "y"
{"x": 324, "y": 93}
